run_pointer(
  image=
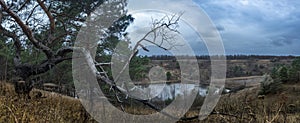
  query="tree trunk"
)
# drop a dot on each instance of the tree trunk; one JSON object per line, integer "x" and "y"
{"x": 5, "y": 71}
{"x": 298, "y": 79}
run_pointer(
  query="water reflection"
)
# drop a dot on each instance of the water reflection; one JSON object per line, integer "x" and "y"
{"x": 171, "y": 91}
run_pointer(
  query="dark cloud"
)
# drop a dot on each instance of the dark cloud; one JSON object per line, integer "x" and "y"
{"x": 281, "y": 41}
{"x": 258, "y": 27}
{"x": 246, "y": 27}
{"x": 220, "y": 28}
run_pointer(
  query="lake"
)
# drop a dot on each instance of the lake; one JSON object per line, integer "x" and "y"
{"x": 163, "y": 92}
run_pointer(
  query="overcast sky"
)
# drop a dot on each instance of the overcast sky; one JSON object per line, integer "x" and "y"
{"x": 263, "y": 27}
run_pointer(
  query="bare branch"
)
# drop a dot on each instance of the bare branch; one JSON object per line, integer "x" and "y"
{"x": 63, "y": 51}
{"x": 277, "y": 114}
{"x": 144, "y": 48}
{"x": 158, "y": 29}
{"x": 23, "y": 5}
{"x": 212, "y": 113}
{"x": 101, "y": 64}
{"x": 51, "y": 18}
{"x": 31, "y": 13}
{"x": 124, "y": 91}
{"x": 158, "y": 45}
{"x": 1, "y": 16}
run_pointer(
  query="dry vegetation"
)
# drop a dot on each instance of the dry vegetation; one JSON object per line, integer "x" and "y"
{"x": 50, "y": 107}
{"x": 243, "y": 106}
{"x": 247, "y": 107}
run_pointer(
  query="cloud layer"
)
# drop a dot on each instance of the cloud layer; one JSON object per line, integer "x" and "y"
{"x": 256, "y": 26}
{"x": 262, "y": 27}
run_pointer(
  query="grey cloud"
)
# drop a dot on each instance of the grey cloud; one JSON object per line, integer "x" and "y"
{"x": 220, "y": 28}
{"x": 281, "y": 41}
{"x": 270, "y": 29}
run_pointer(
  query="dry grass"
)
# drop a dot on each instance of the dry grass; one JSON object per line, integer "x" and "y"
{"x": 50, "y": 108}
{"x": 243, "y": 107}
{"x": 246, "y": 107}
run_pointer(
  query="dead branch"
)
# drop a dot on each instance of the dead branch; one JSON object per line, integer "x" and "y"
{"x": 31, "y": 13}
{"x": 63, "y": 51}
{"x": 51, "y": 18}
{"x": 159, "y": 28}
{"x": 91, "y": 64}
{"x": 124, "y": 91}
{"x": 23, "y": 5}
{"x": 212, "y": 113}
{"x": 277, "y": 114}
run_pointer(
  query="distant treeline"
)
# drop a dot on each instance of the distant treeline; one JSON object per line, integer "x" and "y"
{"x": 228, "y": 57}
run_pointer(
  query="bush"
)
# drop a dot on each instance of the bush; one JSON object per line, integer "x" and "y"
{"x": 169, "y": 75}
{"x": 287, "y": 73}
{"x": 283, "y": 74}
{"x": 269, "y": 85}
{"x": 294, "y": 71}
{"x": 280, "y": 73}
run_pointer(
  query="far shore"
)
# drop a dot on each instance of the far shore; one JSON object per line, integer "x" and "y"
{"x": 247, "y": 81}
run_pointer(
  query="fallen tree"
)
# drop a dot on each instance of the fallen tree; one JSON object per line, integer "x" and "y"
{"x": 23, "y": 27}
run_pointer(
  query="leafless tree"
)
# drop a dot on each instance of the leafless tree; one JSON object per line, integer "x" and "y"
{"x": 27, "y": 28}
{"x": 161, "y": 34}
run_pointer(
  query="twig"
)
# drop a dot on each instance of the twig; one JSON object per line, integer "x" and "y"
{"x": 156, "y": 26}
{"x": 213, "y": 113}
{"x": 277, "y": 114}
{"x": 51, "y": 18}
{"x": 16, "y": 120}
